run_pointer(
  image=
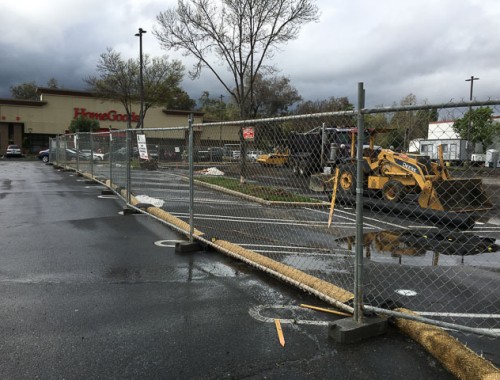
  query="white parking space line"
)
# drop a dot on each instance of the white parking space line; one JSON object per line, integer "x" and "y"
{"x": 167, "y": 243}
{"x": 284, "y": 222}
{"x": 350, "y": 217}
{"x": 483, "y": 229}
{"x": 255, "y": 312}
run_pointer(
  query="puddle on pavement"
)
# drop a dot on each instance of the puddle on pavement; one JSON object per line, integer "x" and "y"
{"x": 340, "y": 265}
{"x": 179, "y": 273}
{"x": 428, "y": 248}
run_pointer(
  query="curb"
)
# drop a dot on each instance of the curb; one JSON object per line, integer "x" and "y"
{"x": 453, "y": 355}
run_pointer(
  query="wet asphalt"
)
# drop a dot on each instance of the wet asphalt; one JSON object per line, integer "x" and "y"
{"x": 86, "y": 293}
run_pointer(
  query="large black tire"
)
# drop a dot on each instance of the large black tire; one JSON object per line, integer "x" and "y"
{"x": 346, "y": 186}
{"x": 393, "y": 191}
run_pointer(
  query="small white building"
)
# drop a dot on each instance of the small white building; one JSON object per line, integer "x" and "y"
{"x": 455, "y": 148}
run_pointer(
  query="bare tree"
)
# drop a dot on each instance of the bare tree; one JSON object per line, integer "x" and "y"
{"x": 239, "y": 33}
{"x": 119, "y": 79}
{"x": 53, "y": 83}
{"x": 233, "y": 35}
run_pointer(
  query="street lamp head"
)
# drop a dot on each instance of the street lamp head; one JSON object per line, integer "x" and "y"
{"x": 472, "y": 79}
{"x": 141, "y": 31}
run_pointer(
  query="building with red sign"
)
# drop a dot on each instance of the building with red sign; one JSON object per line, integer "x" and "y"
{"x": 30, "y": 123}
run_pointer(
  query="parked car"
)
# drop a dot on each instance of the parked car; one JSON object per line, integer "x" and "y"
{"x": 121, "y": 153}
{"x": 96, "y": 156}
{"x": 153, "y": 154}
{"x": 44, "y": 155}
{"x": 13, "y": 151}
{"x": 253, "y": 154}
{"x": 73, "y": 154}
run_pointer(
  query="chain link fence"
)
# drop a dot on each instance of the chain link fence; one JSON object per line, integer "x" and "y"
{"x": 382, "y": 209}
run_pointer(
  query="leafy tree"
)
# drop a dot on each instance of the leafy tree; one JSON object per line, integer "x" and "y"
{"x": 233, "y": 35}
{"x": 410, "y": 124}
{"x": 25, "y": 91}
{"x": 28, "y": 90}
{"x": 117, "y": 80}
{"x": 120, "y": 80}
{"x": 273, "y": 96}
{"x": 180, "y": 100}
{"x": 214, "y": 108}
{"x": 331, "y": 104}
{"x": 478, "y": 126}
{"x": 83, "y": 124}
{"x": 162, "y": 81}
{"x": 379, "y": 121}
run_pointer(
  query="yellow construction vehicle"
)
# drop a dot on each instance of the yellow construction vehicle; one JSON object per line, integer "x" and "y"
{"x": 394, "y": 175}
{"x": 278, "y": 158}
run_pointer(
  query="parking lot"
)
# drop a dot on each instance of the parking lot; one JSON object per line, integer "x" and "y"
{"x": 88, "y": 292}
{"x": 299, "y": 236}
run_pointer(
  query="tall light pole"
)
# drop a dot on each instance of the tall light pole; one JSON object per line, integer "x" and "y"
{"x": 221, "y": 118}
{"x": 141, "y": 115}
{"x": 469, "y": 126}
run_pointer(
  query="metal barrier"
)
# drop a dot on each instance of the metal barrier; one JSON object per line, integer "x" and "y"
{"x": 371, "y": 209}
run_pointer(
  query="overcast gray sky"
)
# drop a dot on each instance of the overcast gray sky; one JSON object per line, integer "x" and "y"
{"x": 396, "y": 47}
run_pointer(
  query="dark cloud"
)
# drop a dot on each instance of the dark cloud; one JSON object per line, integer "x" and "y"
{"x": 425, "y": 47}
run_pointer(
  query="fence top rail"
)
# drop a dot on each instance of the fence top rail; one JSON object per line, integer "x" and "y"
{"x": 278, "y": 118}
{"x": 161, "y": 129}
{"x": 429, "y": 106}
{"x": 476, "y": 103}
{"x": 353, "y": 112}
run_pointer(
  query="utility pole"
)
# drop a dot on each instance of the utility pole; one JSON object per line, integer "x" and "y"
{"x": 141, "y": 115}
{"x": 221, "y": 118}
{"x": 469, "y": 126}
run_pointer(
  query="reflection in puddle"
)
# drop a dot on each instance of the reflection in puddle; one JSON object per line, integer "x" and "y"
{"x": 427, "y": 248}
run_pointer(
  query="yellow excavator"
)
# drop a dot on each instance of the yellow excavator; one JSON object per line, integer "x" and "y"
{"x": 394, "y": 175}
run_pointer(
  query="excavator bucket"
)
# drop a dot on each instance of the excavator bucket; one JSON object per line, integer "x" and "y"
{"x": 457, "y": 195}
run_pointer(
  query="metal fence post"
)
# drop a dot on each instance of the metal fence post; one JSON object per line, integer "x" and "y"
{"x": 110, "y": 160}
{"x": 76, "y": 140}
{"x": 358, "y": 268}
{"x": 57, "y": 150}
{"x": 91, "y": 155}
{"x": 129, "y": 158}
{"x": 191, "y": 179}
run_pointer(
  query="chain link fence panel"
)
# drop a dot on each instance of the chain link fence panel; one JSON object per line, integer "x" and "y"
{"x": 281, "y": 194}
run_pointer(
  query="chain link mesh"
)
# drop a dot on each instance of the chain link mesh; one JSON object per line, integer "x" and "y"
{"x": 285, "y": 189}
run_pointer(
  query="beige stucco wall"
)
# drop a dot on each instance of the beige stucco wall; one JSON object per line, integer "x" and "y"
{"x": 54, "y": 117}
{"x": 55, "y": 110}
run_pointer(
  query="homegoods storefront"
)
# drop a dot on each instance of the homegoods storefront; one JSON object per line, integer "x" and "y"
{"x": 30, "y": 124}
